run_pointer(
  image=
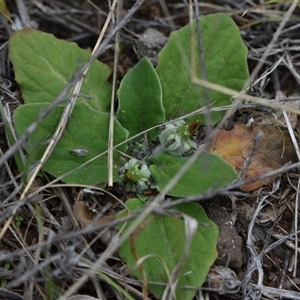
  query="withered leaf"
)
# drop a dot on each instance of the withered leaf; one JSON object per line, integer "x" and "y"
{"x": 85, "y": 215}
{"x": 274, "y": 150}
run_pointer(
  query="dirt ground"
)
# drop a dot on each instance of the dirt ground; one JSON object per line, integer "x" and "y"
{"x": 257, "y": 248}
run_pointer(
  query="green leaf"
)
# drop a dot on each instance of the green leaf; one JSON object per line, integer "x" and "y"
{"x": 225, "y": 64}
{"x": 87, "y": 131}
{"x": 44, "y": 65}
{"x": 163, "y": 240}
{"x": 209, "y": 171}
{"x": 140, "y": 99}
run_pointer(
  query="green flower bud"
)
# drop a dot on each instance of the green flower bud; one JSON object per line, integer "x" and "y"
{"x": 135, "y": 176}
{"x": 176, "y": 139}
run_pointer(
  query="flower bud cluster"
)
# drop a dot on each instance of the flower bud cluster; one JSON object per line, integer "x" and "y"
{"x": 176, "y": 139}
{"x": 135, "y": 175}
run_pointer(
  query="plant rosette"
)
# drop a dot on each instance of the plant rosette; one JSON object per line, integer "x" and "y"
{"x": 147, "y": 97}
{"x": 176, "y": 140}
{"x": 135, "y": 176}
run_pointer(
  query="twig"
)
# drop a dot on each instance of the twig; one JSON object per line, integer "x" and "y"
{"x": 295, "y": 143}
{"x": 275, "y": 37}
{"x": 23, "y": 13}
{"x": 255, "y": 260}
{"x": 113, "y": 98}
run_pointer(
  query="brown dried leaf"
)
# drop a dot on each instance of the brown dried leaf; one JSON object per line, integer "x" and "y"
{"x": 275, "y": 149}
{"x": 85, "y": 215}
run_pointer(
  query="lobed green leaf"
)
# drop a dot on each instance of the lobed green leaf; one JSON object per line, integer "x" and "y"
{"x": 44, "y": 65}
{"x": 209, "y": 171}
{"x": 87, "y": 130}
{"x": 163, "y": 240}
{"x": 225, "y": 64}
{"x": 140, "y": 100}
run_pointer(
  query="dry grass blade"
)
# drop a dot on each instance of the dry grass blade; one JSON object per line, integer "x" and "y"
{"x": 113, "y": 98}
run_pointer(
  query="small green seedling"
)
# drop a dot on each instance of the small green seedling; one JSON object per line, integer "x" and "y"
{"x": 4, "y": 280}
{"x": 18, "y": 220}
